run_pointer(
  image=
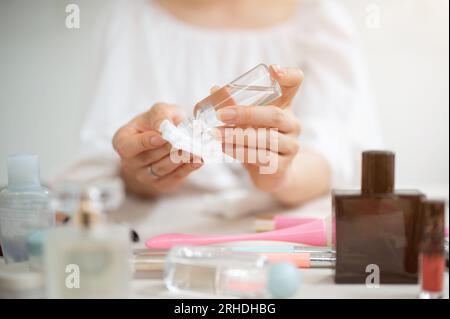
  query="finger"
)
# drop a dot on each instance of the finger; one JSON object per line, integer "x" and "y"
{"x": 166, "y": 165}
{"x": 176, "y": 177}
{"x": 129, "y": 145}
{"x": 218, "y": 98}
{"x": 214, "y": 89}
{"x": 258, "y": 157}
{"x": 260, "y": 138}
{"x": 150, "y": 157}
{"x": 157, "y": 170}
{"x": 277, "y": 169}
{"x": 290, "y": 80}
{"x": 260, "y": 116}
{"x": 152, "y": 119}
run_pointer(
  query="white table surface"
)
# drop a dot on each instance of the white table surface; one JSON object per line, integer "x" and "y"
{"x": 184, "y": 214}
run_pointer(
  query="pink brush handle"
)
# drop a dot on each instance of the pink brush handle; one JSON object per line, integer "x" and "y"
{"x": 309, "y": 234}
{"x": 289, "y": 221}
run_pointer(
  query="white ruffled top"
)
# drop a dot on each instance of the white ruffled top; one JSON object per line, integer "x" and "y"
{"x": 148, "y": 56}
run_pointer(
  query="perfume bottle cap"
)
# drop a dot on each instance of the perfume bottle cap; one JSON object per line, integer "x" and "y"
{"x": 87, "y": 216}
{"x": 283, "y": 280}
{"x": 434, "y": 219}
{"x": 23, "y": 171}
{"x": 378, "y": 172}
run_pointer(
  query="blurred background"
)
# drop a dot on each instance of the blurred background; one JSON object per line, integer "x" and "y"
{"x": 46, "y": 76}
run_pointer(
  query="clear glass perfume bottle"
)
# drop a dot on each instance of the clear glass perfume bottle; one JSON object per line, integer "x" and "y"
{"x": 90, "y": 257}
{"x": 216, "y": 270}
{"x": 255, "y": 87}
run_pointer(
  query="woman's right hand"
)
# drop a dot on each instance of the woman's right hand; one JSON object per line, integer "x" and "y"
{"x": 146, "y": 166}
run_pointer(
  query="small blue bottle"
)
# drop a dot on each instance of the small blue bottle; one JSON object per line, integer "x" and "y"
{"x": 24, "y": 207}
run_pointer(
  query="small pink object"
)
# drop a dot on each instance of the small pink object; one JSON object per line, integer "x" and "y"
{"x": 446, "y": 231}
{"x": 282, "y": 222}
{"x": 312, "y": 233}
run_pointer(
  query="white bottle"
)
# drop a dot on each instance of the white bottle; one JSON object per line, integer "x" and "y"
{"x": 88, "y": 258}
{"x": 24, "y": 207}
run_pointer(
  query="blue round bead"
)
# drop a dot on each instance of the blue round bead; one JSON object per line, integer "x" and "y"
{"x": 283, "y": 280}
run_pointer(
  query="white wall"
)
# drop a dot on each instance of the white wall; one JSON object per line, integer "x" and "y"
{"x": 45, "y": 73}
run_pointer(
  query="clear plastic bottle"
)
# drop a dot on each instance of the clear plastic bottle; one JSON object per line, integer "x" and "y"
{"x": 24, "y": 207}
{"x": 194, "y": 135}
{"x": 255, "y": 87}
{"x": 216, "y": 270}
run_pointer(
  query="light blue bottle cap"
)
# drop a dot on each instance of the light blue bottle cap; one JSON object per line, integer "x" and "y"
{"x": 283, "y": 280}
{"x": 34, "y": 243}
{"x": 23, "y": 171}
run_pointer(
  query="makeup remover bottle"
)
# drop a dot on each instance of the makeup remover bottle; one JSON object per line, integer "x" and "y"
{"x": 214, "y": 270}
{"x": 24, "y": 207}
{"x": 255, "y": 87}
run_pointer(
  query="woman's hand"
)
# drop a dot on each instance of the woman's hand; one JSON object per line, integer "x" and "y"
{"x": 265, "y": 138}
{"x": 146, "y": 165}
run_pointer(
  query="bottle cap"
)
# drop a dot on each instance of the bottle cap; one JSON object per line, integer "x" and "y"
{"x": 434, "y": 219}
{"x": 23, "y": 171}
{"x": 283, "y": 280}
{"x": 378, "y": 172}
{"x": 87, "y": 217}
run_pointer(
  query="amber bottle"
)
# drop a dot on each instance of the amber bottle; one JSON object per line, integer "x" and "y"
{"x": 377, "y": 226}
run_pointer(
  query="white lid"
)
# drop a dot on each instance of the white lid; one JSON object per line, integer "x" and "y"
{"x": 23, "y": 171}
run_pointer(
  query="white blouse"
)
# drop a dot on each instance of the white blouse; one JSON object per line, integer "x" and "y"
{"x": 149, "y": 56}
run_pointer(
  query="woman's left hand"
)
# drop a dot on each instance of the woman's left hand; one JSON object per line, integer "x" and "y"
{"x": 265, "y": 138}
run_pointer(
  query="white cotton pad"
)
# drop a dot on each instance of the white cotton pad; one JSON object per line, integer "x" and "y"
{"x": 195, "y": 136}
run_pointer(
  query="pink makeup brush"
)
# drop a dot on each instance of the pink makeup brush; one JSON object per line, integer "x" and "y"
{"x": 313, "y": 234}
{"x": 271, "y": 222}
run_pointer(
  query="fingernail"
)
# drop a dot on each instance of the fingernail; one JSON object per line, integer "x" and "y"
{"x": 196, "y": 165}
{"x": 277, "y": 69}
{"x": 227, "y": 114}
{"x": 157, "y": 140}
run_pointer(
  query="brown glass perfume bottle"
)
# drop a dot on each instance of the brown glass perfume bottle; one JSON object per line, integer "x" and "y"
{"x": 377, "y": 227}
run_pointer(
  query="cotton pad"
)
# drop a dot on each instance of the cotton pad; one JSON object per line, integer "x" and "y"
{"x": 195, "y": 136}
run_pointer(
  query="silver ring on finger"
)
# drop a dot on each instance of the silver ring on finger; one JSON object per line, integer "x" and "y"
{"x": 151, "y": 172}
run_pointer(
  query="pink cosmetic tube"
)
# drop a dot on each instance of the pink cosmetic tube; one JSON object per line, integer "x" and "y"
{"x": 313, "y": 234}
{"x": 269, "y": 223}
